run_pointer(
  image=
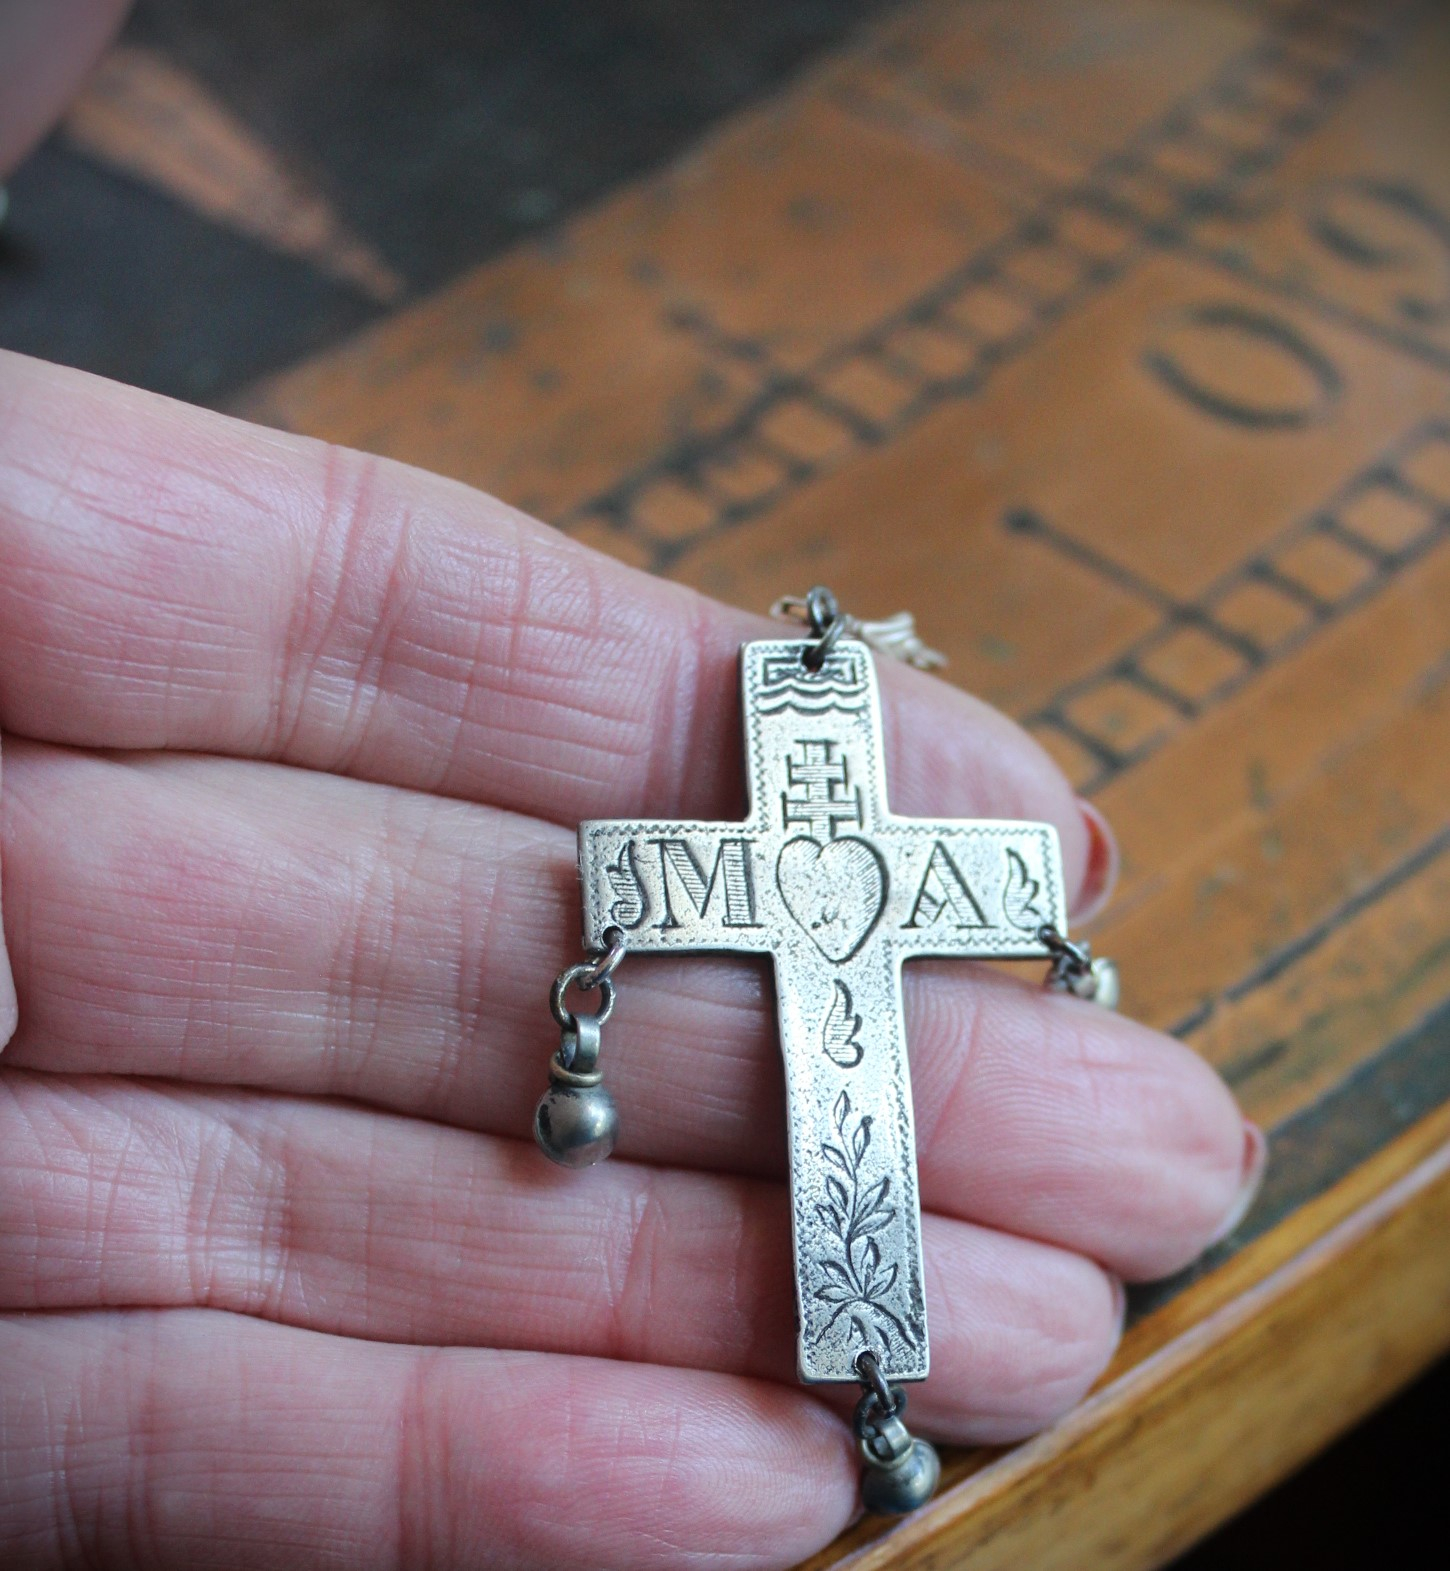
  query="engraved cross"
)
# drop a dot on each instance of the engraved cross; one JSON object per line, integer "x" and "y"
{"x": 818, "y": 797}
{"x": 822, "y": 876}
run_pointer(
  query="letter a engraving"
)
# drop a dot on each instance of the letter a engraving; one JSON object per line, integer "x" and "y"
{"x": 839, "y": 891}
{"x": 945, "y": 895}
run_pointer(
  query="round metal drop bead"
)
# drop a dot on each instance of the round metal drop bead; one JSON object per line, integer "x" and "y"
{"x": 576, "y": 1126}
{"x": 907, "y": 1484}
{"x": 1106, "y": 988}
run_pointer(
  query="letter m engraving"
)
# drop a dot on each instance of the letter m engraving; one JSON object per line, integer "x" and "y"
{"x": 684, "y": 883}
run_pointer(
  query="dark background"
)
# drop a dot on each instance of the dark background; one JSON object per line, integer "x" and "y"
{"x": 443, "y": 132}
{"x": 1371, "y": 1501}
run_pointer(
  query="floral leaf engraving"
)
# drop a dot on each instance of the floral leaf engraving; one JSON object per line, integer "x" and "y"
{"x": 861, "y": 1139}
{"x": 840, "y": 1035}
{"x": 1019, "y": 897}
{"x": 629, "y": 903}
{"x": 873, "y": 1213}
{"x": 832, "y": 1218}
{"x": 870, "y": 1260}
{"x": 857, "y": 1283}
{"x": 838, "y": 1157}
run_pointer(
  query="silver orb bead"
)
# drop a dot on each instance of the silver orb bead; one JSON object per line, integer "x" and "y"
{"x": 576, "y": 1126}
{"x": 900, "y": 1472}
{"x": 1106, "y": 989}
{"x": 908, "y": 1483}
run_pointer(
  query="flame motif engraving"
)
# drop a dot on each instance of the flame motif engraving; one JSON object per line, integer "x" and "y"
{"x": 628, "y": 910}
{"x": 1019, "y": 897}
{"x": 840, "y": 1035}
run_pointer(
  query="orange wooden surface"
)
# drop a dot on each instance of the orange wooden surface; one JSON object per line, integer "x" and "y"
{"x": 1114, "y": 339}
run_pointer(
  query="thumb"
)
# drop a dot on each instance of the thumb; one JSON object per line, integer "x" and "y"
{"x": 46, "y": 47}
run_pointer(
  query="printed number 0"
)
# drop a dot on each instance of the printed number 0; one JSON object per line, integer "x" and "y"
{"x": 1244, "y": 367}
{"x": 1385, "y": 227}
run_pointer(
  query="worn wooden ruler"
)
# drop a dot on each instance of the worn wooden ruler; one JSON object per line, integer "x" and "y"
{"x": 1114, "y": 340}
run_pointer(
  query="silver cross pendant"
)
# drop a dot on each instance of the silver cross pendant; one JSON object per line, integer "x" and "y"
{"x": 822, "y": 876}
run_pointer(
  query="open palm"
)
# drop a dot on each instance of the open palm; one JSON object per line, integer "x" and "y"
{"x": 295, "y": 742}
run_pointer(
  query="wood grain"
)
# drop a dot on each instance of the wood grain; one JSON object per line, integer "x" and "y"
{"x": 1113, "y": 338}
{"x": 1163, "y": 1452}
{"x": 141, "y": 115}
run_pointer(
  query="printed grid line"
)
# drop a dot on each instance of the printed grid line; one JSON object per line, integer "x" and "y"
{"x": 1409, "y": 522}
{"x": 946, "y": 343}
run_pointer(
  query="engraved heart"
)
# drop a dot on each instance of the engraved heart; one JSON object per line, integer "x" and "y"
{"x": 835, "y": 891}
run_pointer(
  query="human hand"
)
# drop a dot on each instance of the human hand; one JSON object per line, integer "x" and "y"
{"x": 295, "y": 744}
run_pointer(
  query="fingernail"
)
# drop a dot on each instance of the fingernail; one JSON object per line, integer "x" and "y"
{"x": 1104, "y": 860}
{"x": 1120, "y": 1301}
{"x": 1256, "y": 1162}
{"x": 9, "y": 1007}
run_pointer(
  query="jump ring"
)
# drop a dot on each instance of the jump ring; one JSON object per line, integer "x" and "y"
{"x": 822, "y": 610}
{"x": 579, "y": 976}
{"x": 607, "y": 963}
{"x": 827, "y": 624}
{"x": 815, "y": 654}
{"x": 869, "y": 1414}
{"x": 1063, "y": 950}
{"x": 889, "y": 1401}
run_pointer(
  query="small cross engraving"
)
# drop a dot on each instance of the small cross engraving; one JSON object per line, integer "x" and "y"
{"x": 819, "y": 798}
{"x": 822, "y": 876}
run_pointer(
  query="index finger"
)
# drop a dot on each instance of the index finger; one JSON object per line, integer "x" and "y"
{"x": 172, "y": 578}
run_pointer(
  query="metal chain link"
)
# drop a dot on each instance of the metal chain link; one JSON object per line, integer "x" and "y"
{"x": 820, "y": 611}
{"x": 587, "y": 976}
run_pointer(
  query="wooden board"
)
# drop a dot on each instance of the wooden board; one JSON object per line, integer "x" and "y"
{"x": 1112, "y": 337}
